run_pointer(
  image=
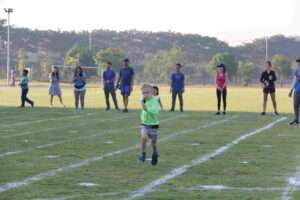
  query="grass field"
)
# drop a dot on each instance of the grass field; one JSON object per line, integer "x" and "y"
{"x": 53, "y": 153}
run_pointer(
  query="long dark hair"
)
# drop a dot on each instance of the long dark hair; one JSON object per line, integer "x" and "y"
{"x": 223, "y": 67}
{"x": 56, "y": 73}
{"x": 80, "y": 73}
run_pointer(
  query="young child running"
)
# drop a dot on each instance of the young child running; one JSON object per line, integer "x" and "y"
{"x": 156, "y": 94}
{"x": 150, "y": 123}
{"x": 24, "y": 86}
{"x": 296, "y": 91}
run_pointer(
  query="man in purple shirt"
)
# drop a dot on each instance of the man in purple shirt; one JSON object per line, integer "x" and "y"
{"x": 177, "y": 87}
{"x": 109, "y": 77}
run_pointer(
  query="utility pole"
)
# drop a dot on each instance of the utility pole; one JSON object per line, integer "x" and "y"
{"x": 8, "y": 11}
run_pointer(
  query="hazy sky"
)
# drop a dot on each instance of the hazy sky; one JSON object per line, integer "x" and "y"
{"x": 234, "y": 21}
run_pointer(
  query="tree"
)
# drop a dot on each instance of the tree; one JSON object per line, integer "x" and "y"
{"x": 115, "y": 56}
{"x": 21, "y": 61}
{"x": 158, "y": 68}
{"x": 77, "y": 55}
{"x": 225, "y": 58}
{"x": 44, "y": 66}
{"x": 282, "y": 66}
{"x": 246, "y": 72}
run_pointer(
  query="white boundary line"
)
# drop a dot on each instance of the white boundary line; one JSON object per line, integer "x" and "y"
{"x": 7, "y": 135}
{"x": 292, "y": 186}
{"x": 182, "y": 169}
{"x": 28, "y": 181}
{"x": 42, "y": 146}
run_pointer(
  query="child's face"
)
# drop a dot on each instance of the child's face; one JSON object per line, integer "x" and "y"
{"x": 219, "y": 70}
{"x": 155, "y": 92}
{"x": 147, "y": 92}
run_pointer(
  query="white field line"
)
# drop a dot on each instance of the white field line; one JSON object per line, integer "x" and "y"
{"x": 43, "y": 146}
{"x": 292, "y": 186}
{"x": 64, "y": 127}
{"x": 28, "y": 181}
{"x": 182, "y": 169}
{"x": 44, "y": 120}
{"x": 218, "y": 188}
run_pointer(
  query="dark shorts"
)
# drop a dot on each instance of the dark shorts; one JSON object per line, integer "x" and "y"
{"x": 152, "y": 133}
{"x": 126, "y": 90}
{"x": 269, "y": 90}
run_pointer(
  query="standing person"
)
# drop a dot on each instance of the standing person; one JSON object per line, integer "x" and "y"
{"x": 221, "y": 84}
{"x": 156, "y": 94}
{"x": 24, "y": 89}
{"x": 150, "y": 123}
{"x": 125, "y": 83}
{"x": 296, "y": 90}
{"x": 109, "y": 77}
{"x": 177, "y": 87}
{"x": 54, "y": 89}
{"x": 268, "y": 78}
{"x": 79, "y": 82}
{"x": 13, "y": 77}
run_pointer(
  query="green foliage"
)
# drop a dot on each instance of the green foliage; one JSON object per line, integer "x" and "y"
{"x": 77, "y": 55}
{"x": 225, "y": 58}
{"x": 282, "y": 66}
{"x": 158, "y": 68}
{"x": 115, "y": 56}
{"x": 246, "y": 72}
{"x": 21, "y": 61}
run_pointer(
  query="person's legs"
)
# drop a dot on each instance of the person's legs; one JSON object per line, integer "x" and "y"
{"x": 76, "y": 96}
{"x": 114, "y": 97}
{"x": 296, "y": 106}
{"x": 218, "y": 92}
{"x": 180, "y": 96}
{"x": 224, "y": 95}
{"x": 23, "y": 96}
{"x": 144, "y": 140}
{"x": 265, "y": 100}
{"x": 51, "y": 100}
{"x": 273, "y": 98}
{"x": 174, "y": 94}
{"x": 61, "y": 100}
{"x": 82, "y": 97}
{"x": 27, "y": 99}
{"x": 106, "y": 93}
{"x": 154, "y": 136}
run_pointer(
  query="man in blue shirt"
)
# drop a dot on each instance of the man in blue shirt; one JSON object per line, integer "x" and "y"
{"x": 177, "y": 87}
{"x": 296, "y": 90}
{"x": 24, "y": 89}
{"x": 109, "y": 77}
{"x": 125, "y": 82}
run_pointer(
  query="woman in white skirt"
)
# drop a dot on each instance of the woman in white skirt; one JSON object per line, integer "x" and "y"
{"x": 54, "y": 89}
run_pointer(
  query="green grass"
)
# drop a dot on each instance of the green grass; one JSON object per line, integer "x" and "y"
{"x": 265, "y": 160}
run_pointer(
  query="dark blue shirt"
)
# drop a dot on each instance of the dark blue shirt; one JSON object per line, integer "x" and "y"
{"x": 126, "y": 75}
{"x": 177, "y": 82}
{"x": 296, "y": 86}
{"x": 109, "y": 77}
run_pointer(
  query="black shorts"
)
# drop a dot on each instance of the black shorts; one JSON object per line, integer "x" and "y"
{"x": 269, "y": 90}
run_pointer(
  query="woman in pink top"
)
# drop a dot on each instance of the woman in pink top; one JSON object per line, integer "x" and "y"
{"x": 221, "y": 83}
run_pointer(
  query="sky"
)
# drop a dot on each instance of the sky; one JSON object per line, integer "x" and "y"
{"x": 233, "y": 21}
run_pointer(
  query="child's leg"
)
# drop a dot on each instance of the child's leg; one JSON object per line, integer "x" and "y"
{"x": 144, "y": 140}
{"x": 273, "y": 98}
{"x": 23, "y": 97}
{"x": 82, "y": 97}
{"x": 61, "y": 100}
{"x": 76, "y": 95}
{"x": 265, "y": 99}
{"x": 296, "y": 106}
{"x": 174, "y": 94}
{"x": 106, "y": 94}
{"x": 218, "y": 92}
{"x": 51, "y": 100}
{"x": 113, "y": 95}
{"x": 180, "y": 101}
{"x": 224, "y": 95}
{"x": 154, "y": 144}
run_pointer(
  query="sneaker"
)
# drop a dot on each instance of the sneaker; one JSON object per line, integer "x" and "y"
{"x": 294, "y": 123}
{"x": 125, "y": 110}
{"x": 224, "y": 113}
{"x": 263, "y": 113}
{"x": 142, "y": 157}
{"x": 154, "y": 160}
{"x": 172, "y": 110}
{"x": 32, "y": 104}
{"x": 218, "y": 113}
{"x": 107, "y": 109}
{"x": 276, "y": 113}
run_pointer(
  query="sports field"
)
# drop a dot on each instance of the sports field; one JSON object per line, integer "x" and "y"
{"x": 54, "y": 153}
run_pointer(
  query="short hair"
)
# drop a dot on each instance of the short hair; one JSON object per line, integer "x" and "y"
{"x": 109, "y": 63}
{"x": 25, "y": 71}
{"x": 126, "y": 60}
{"x": 156, "y": 88}
{"x": 269, "y": 63}
{"x": 178, "y": 64}
{"x": 222, "y": 66}
{"x": 298, "y": 60}
{"x": 146, "y": 85}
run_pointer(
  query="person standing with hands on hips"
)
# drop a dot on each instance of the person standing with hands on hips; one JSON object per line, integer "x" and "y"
{"x": 177, "y": 87}
{"x": 296, "y": 91}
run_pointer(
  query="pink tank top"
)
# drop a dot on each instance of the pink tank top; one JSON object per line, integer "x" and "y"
{"x": 220, "y": 80}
